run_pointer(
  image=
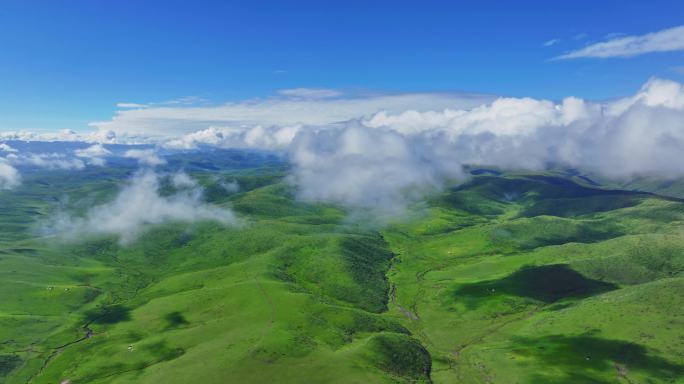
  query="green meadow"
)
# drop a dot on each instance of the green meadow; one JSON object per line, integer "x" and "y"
{"x": 507, "y": 278}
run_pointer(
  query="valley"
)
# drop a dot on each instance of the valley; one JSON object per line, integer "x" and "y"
{"x": 515, "y": 277}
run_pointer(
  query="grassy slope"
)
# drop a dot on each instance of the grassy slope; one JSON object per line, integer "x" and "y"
{"x": 505, "y": 279}
{"x": 591, "y": 294}
{"x": 292, "y": 295}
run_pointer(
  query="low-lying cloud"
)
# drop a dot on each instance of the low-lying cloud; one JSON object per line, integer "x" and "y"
{"x": 47, "y": 161}
{"x": 9, "y": 176}
{"x": 140, "y": 205}
{"x": 369, "y": 168}
{"x": 146, "y": 157}
{"x": 95, "y": 154}
{"x": 380, "y": 153}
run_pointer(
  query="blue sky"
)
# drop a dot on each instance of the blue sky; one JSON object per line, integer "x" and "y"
{"x": 66, "y": 63}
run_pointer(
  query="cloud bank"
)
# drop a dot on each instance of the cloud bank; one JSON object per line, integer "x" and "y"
{"x": 139, "y": 204}
{"x": 297, "y": 107}
{"x": 386, "y": 153}
{"x": 376, "y": 162}
{"x": 666, "y": 40}
{"x": 641, "y": 134}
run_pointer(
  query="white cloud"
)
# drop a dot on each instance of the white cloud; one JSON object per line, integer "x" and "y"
{"x": 6, "y": 148}
{"x": 9, "y": 176}
{"x": 145, "y": 157}
{"x": 94, "y": 154}
{"x": 551, "y": 42}
{"x": 671, "y": 39}
{"x": 169, "y": 122}
{"x": 364, "y": 168}
{"x": 99, "y": 136}
{"x": 310, "y": 93}
{"x": 182, "y": 180}
{"x": 273, "y": 137}
{"x": 640, "y": 134}
{"x": 95, "y": 150}
{"x": 384, "y": 159}
{"x": 230, "y": 186}
{"x": 138, "y": 206}
{"x": 130, "y": 105}
{"x": 47, "y": 161}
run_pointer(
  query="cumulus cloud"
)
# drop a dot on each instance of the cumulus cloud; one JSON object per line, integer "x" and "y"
{"x": 140, "y": 205}
{"x": 369, "y": 168}
{"x": 386, "y": 160}
{"x": 4, "y": 147}
{"x": 95, "y": 154}
{"x": 9, "y": 176}
{"x": 96, "y": 150}
{"x": 666, "y": 40}
{"x": 98, "y": 136}
{"x": 146, "y": 157}
{"x": 640, "y": 134}
{"x": 273, "y": 137}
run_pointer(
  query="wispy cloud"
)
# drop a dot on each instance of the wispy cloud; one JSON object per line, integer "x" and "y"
{"x": 671, "y": 39}
{"x": 174, "y": 120}
{"x": 130, "y": 105}
{"x": 310, "y": 93}
{"x": 551, "y": 42}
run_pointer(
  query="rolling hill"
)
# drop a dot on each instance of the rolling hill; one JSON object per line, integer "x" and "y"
{"x": 507, "y": 278}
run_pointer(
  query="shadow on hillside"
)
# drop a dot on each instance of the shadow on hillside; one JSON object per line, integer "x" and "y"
{"x": 8, "y": 363}
{"x": 151, "y": 354}
{"x": 108, "y": 315}
{"x": 547, "y": 283}
{"x": 175, "y": 319}
{"x": 584, "y": 357}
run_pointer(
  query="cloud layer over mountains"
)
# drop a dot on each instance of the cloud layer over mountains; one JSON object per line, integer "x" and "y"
{"x": 377, "y": 151}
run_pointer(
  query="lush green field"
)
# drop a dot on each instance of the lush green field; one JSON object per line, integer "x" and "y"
{"x": 506, "y": 279}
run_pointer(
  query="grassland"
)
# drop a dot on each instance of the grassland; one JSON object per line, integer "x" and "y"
{"x": 506, "y": 279}
{"x": 534, "y": 279}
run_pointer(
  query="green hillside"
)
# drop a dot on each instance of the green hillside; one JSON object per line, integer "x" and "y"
{"x": 504, "y": 279}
